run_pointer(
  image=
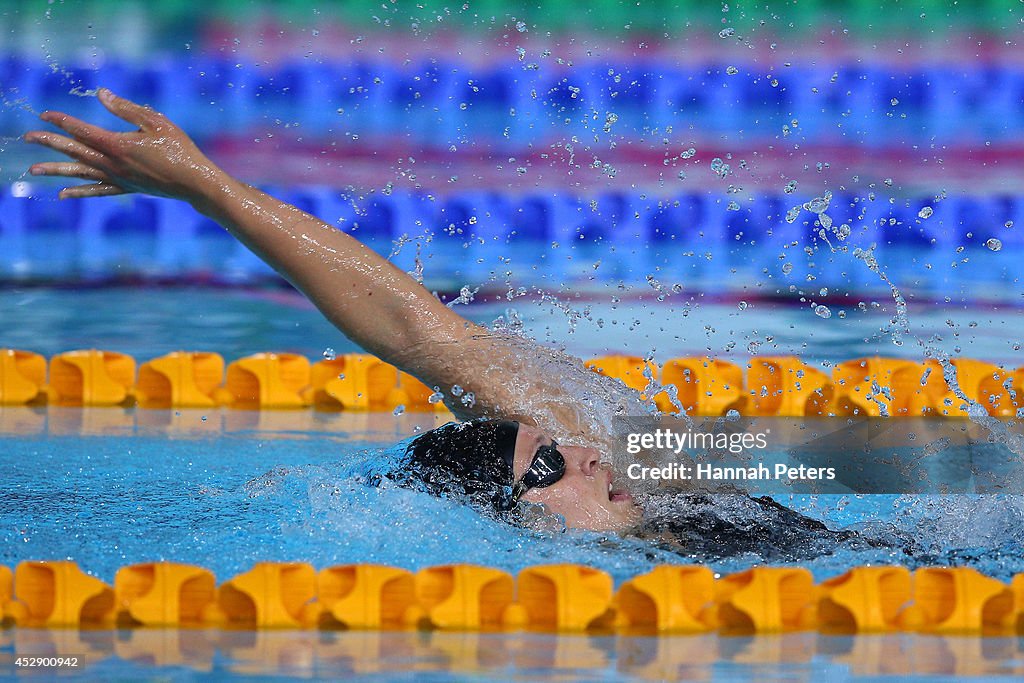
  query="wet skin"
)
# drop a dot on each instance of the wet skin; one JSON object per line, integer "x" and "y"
{"x": 585, "y": 496}
{"x": 369, "y": 299}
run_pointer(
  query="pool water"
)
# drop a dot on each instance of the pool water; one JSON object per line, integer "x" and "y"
{"x": 445, "y": 656}
{"x": 223, "y": 489}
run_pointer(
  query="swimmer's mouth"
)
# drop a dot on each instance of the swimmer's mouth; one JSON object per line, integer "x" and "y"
{"x": 617, "y": 495}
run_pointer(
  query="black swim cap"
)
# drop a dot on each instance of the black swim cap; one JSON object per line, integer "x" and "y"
{"x": 470, "y": 459}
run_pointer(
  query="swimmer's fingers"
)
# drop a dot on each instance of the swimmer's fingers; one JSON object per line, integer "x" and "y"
{"x": 91, "y": 190}
{"x": 95, "y": 137}
{"x": 65, "y": 145}
{"x": 68, "y": 169}
{"x": 143, "y": 117}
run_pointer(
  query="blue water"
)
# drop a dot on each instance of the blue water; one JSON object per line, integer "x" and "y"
{"x": 223, "y": 489}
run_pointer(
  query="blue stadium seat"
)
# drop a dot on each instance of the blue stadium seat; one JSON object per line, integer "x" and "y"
{"x": 532, "y": 219}
{"x": 632, "y": 92}
{"x": 490, "y": 98}
{"x": 419, "y": 100}
{"x": 358, "y": 95}
{"x": 54, "y": 249}
{"x": 13, "y": 234}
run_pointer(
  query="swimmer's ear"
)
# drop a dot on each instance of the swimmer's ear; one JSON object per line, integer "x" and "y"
{"x": 126, "y": 109}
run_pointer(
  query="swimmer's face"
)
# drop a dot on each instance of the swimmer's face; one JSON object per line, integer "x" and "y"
{"x": 584, "y": 496}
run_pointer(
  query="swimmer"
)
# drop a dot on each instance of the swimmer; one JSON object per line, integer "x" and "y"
{"x": 498, "y": 454}
{"x": 498, "y": 457}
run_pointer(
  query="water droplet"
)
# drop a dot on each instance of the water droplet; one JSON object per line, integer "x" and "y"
{"x": 894, "y": 101}
{"x": 994, "y": 244}
{"x": 521, "y": 26}
{"x": 457, "y": 390}
{"x": 329, "y": 354}
{"x": 822, "y": 311}
{"x": 726, "y": 32}
{"x": 818, "y": 204}
{"x": 925, "y": 212}
{"x": 731, "y": 70}
{"x": 743, "y": 305}
{"x": 732, "y": 206}
{"x": 399, "y": 409}
{"x": 787, "y": 268}
{"x": 790, "y": 187}
{"x": 435, "y": 397}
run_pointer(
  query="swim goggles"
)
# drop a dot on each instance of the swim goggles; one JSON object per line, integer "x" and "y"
{"x": 547, "y": 468}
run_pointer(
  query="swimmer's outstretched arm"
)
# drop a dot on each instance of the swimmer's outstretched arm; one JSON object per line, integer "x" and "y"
{"x": 371, "y": 301}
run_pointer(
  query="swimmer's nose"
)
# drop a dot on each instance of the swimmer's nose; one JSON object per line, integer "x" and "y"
{"x": 588, "y": 460}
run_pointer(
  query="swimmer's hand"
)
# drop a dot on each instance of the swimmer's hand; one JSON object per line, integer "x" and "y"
{"x": 157, "y": 159}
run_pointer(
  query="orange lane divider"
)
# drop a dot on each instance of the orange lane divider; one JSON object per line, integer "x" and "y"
{"x": 267, "y": 380}
{"x": 565, "y": 597}
{"x": 668, "y": 598}
{"x": 92, "y": 378}
{"x": 928, "y": 392}
{"x": 466, "y": 597}
{"x": 270, "y": 595}
{"x": 788, "y": 387}
{"x": 704, "y": 386}
{"x": 961, "y": 600}
{"x": 630, "y": 370}
{"x": 367, "y": 596}
{"x": 59, "y": 594}
{"x": 22, "y": 377}
{"x": 865, "y": 599}
{"x": 359, "y": 381}
{"x": 557, "y": 597}
{"x": 163, "y": 594}
{"x": 6, "y": 590}
{"x": 180, "y": 380}
{"x": 1017, "y": 586}
{"x": 864, "y": 385}
{"x": 767, "y": 599}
